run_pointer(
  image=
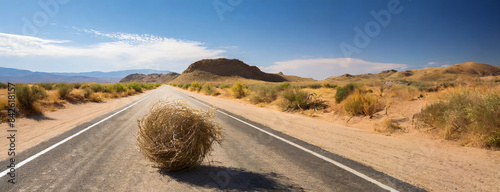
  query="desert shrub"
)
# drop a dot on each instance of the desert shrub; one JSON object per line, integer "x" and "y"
{"x": 26, "y": 97}
{"x": 135, "y": 86}
{"x": 238, "y": 90}
{"x": 328, "y": 85}
{"x": 362, "y": 103}
{"x": 3, "y": 85}
{"x": 387, "y": 126}
{"x": 264, "y": 93}
{"x": 343, "y": 92}
{"x": 466, "y": 113}
{"x": 180, "y": 85}
{"x": 46, "y": 86}
{"x": 87, "y": 92}
{"x": 176, "y": 136}
{"x": 285, "y": 85}
{"x": 195, "y": 86}
{"x": 63, "y": 89}
{"x": 76, "y": 85}
{"x": 207, "y": 89}
{"x": 186, "y": 86}
{"x": 96, "y": 87}
{"x": 76, "y": 95}
{"x": 223, "y": 86}
{"x": 296, "y": 99}
{"x": 119, "y": 87}
{"x": 94, "y": 97}
{"x": 312, "y": 86}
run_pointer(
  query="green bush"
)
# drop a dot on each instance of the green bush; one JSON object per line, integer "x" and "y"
{"x": 238, "y": 90}
{"x": 96, "y": 87}
{"x": 264, "y": 93}
{"x": 328, "y": 85}
{"x": 209, "y": 90}
{"x": 63, "y": 89}
{"x": 223, "y": 86}
{"x": 46, "y": 86}
{"x": 76, "y": 85}
{"x": 27, "y": 96}
{"x": 285, "y": 85}
{"x": 186, "y": 86}
{"x": 312, "y": 86}
{"x": 296, "y": 99}
{"x": 343, "y": 92}
{"x": 195, "y": 86}
{"x": 3, "y": 85}
{"x": 88, "y": 91}
{"x": 118, "y": 87}
{"x": 466, "y": 112}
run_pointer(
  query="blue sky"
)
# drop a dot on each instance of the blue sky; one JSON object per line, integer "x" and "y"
{"x": 311, "y": 38}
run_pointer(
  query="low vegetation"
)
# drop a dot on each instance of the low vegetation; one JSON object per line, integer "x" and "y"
{"x": 33, "y": 99}
{"x": 363, "y": 103}
{"x": 27, "y": 97}
{"x": 468, "y": 114}
{"x": 297, "y": 99}
{"x": 238, "y": 90}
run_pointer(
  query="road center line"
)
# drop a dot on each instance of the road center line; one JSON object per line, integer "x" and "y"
{"x": 68, "y": 138}
{"x": 308, "y": 151}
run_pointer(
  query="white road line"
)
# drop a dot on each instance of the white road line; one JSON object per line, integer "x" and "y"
{"x": 311, "y": 152}
{"x": 67, "y": 139}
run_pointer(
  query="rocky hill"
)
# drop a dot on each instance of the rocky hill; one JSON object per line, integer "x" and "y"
{"x": 151, "y": 78}
{"x": 216, "y": 69}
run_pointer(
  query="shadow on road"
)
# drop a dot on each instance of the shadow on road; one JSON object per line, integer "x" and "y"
{"x": 225, "y": 178}
{"x": 39, "y": 117}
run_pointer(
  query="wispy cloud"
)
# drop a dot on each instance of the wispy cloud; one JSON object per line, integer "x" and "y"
{"x": 121, "y": 50}
{"x": 327, "y": 67}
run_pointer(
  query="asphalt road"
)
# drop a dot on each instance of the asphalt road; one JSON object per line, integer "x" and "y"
{"x": 105, "y": 158}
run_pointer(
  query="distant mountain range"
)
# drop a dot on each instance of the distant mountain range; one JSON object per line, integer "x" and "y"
{"x": 26, "y": 76}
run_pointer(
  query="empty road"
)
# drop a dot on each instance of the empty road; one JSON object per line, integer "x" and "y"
{"x": 104, "y": 157}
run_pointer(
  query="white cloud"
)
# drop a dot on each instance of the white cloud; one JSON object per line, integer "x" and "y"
{"x": 445, "y": 65}
{"x": 327, "y": 67}
{"x": 121, "y": 51}
{"x": 431, "y": 63}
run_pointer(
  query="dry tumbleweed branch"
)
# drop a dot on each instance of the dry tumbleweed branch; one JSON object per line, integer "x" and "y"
{"x": 176, "y": 136}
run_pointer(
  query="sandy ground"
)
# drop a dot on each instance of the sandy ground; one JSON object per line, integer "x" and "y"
{"x": 31, "y": 132}
{"x": 435, "y": 165}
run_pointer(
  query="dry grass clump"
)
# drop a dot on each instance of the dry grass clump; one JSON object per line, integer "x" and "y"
{"x": 4, "y": 106}
{"x": 176, "y": 136}
{"x": 77, "y": 95}
{"x": 96, "y": 97}
{"x": 27, "y": 96}
{"x": 209, "y": 90}
{"x": 263, "y": 93}
{"x": 195, "y": 87}
{"x": 388, "y": 125}
{"x": 238, "y": 90}
{"x": 468, "y": 114}
{"x": 297, "y": 99}
{"x": 362, "y": 103}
